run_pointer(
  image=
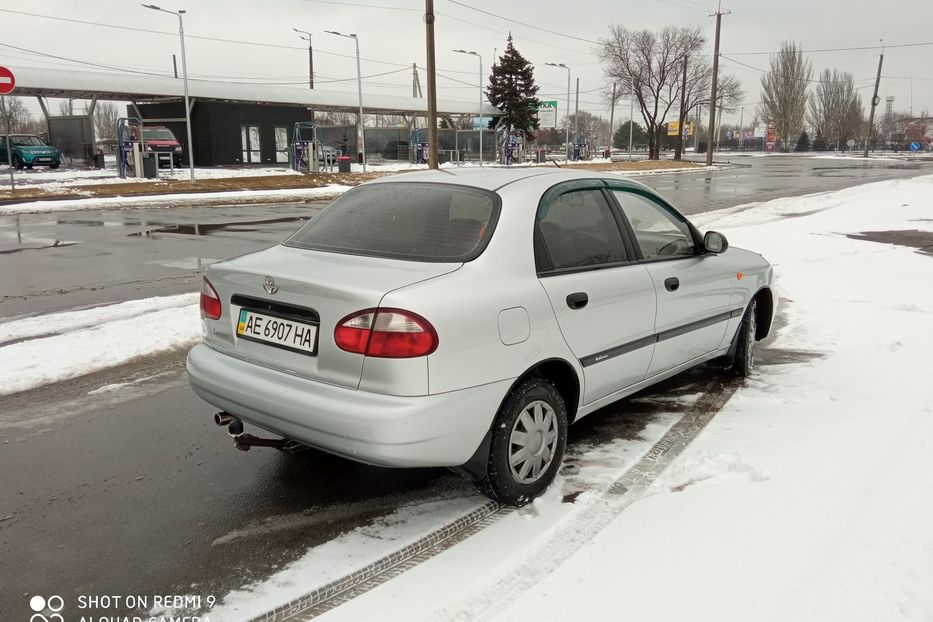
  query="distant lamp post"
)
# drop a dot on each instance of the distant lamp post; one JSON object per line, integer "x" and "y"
{"x": 359, "y": 87}
{"x": 568, "y": 103}
{"x": 307, "y": 37}
{"x": 184, "y": 72}
{"x": 477, "y": 55}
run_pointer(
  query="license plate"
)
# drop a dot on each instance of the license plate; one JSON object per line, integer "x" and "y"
{"x": 277, "y": 331}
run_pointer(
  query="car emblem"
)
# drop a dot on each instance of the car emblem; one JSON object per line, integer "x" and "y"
{"x": 270, "y": 285}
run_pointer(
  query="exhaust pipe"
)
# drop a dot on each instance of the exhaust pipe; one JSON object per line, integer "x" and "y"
{"x": 223, "y": 418}
{"x": 235, "y": 428}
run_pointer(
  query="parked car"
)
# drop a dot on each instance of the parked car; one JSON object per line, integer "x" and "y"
{"x": 29, "y": 150}
{"x": 464, "y": 318}
{"x": 396, "y": 150}
{"x": 327, "y": 156}
{"x": 159, "y": 138}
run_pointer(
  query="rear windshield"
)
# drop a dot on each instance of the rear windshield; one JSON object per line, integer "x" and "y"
{"x": 153, "y": 134}
{"x": 411, "y": 221}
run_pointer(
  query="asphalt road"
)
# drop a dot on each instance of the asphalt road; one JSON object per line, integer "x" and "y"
{"x": 137, "y": 492}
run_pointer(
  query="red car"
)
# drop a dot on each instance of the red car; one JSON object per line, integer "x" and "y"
{"x": 160, "y": 139}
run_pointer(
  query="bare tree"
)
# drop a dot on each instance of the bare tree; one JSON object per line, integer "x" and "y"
{"x": 335, "y": 118}
{"x": 784, "y": 92}
{"x": 835, "y": 107}
{"x": 66, "y": 107}
{"x": 18, "y": 115}
{"x": 105, "y": 120}
{"x": 651, "y": 65}
{"x": 588, "y": 124}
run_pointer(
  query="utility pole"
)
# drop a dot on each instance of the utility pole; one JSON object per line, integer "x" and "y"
{"x": 741, "y": 129}
{"x": 612, "y": 112}
{"x": 432, "y": 84}
{"x": 175, "y": 66}
{"x": 712, "y": 97}
{"x": 576, "y": 112}
{"x": 679, "y": 149}
{"x": 874, "y": 101}
{"x": 631, "y": 119}
{"x": 415, "y": 81}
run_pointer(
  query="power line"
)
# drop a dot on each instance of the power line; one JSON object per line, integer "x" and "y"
{"x": 199, "y": 37}
{"x": 527, "y": 25}
{"x": 852, "y": 49}
{"x": 367, "y": 6}
{"x": 500, "y": 32}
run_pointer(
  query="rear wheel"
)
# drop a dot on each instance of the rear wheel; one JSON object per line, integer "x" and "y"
{"x": 17, "y": 162}
{"x": 55, "y": 164}
{"x": 744, "y": 361}
{"x": 528, "y": 441}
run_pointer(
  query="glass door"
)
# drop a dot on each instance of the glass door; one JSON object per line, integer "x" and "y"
{"x": 249, "y": 139}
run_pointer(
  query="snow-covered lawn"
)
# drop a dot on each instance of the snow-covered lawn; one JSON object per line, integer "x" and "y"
{"x": 157, "y": 201}
{"x": 43, "y": 349}
{"x": 808, "y": 497}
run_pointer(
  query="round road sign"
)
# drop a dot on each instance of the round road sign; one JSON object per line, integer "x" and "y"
{"x": 7, "y": 81}
{"x": 915, "y": 146}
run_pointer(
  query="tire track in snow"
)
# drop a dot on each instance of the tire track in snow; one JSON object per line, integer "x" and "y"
{"x": 485, "y": 602}
{"x": 495, "y": 595}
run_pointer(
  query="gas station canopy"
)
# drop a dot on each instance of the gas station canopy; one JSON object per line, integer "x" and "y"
{"x": 41, "y": 82}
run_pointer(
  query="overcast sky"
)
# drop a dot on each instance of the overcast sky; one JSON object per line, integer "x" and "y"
{"x": 391, "y": 35}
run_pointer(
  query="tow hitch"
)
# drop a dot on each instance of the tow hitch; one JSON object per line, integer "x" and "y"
{"x": 243, "y": 442}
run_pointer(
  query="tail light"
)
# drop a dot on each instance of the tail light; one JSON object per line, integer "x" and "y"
{"x": 210, "y": 301}
{"x": 386, "y": 333}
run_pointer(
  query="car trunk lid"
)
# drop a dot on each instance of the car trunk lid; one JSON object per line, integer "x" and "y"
{"x": 312, "y": 288}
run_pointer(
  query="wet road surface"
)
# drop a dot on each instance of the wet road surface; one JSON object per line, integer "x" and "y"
{"x": 136, "y": 491}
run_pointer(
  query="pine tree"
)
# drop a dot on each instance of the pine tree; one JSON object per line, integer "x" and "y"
{"x": 803, "y": 143}
{"x": 620, "y": 138}
{"x": 512, "y": 90}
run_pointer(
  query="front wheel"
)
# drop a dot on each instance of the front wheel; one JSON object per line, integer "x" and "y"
{"x": 55, "y": 164}
{"x": 528, "y": 440}
{"x": 744, "y": 361}
{"x": 17, "y": 162}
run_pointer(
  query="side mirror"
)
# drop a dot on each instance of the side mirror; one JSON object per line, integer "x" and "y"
{"x": 715, "y": 242}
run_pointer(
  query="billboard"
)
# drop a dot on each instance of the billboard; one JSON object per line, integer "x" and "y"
{"x": 673, "y": 126}
{"x": 547, "y": 114}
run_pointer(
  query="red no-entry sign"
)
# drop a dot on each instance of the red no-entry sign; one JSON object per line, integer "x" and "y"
{"x": 7, "y": 81}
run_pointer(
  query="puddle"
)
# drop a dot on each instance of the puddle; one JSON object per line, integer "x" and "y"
{"x": 210, "y": 228}
{"x": 920, "y": 240}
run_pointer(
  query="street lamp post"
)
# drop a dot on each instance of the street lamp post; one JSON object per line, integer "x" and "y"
{"x": 184, "y": 72}
{"x": 359, "y": 87}
{"x": 307, "y": 37}
{"x": 568, "y": 103}
{"x": 477, "y": 55}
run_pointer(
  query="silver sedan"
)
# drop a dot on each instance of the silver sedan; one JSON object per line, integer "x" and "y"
{"x": 465, "y": 318}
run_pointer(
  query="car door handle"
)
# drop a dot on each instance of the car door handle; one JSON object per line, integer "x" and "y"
{"x": 577, "y": 300}
{"x": 671, "y": 283}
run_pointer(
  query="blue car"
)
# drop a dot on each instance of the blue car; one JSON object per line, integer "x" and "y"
{"x": 29, "y": 150}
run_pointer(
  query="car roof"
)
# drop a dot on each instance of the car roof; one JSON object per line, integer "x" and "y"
{"x": 495, "y": 177}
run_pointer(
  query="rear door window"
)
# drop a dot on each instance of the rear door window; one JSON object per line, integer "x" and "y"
{"x": 577, "y": 230}
{"x": 410, "y": 221}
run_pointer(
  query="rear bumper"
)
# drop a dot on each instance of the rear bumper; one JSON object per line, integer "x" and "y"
{"x": 385, "y": 430}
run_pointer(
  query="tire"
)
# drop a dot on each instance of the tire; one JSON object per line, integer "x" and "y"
{"x": 534, "y": 411}
{"x": 17, "y": 162}
{"x": 54, "y": 165}
{"x": 744, "y": 362}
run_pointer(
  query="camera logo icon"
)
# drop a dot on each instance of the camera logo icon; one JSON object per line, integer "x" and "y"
{"x": 39, "y": 604}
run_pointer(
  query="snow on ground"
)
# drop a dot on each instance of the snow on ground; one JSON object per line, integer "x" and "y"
{"x": 172, "y": 200}
{"x": 43, "y": 349}
{"x": 65, "y": 178}
{"x": 806, "y": 498}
